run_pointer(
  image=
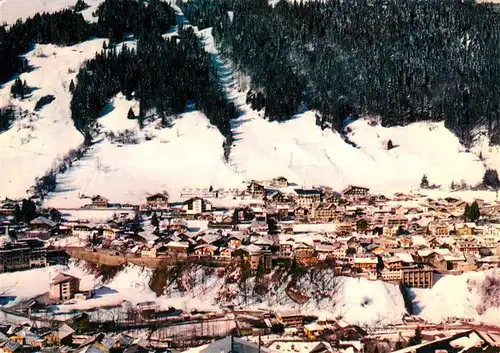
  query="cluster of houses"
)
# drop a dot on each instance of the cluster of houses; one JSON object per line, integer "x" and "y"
{"x": 22, "y": 338}
{"x": 468, "y": 341}
{"x": 405, "y": 238}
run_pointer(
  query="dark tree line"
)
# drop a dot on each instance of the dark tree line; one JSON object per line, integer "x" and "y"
{"x": 163, "y": 74}
{"x": 7, "y": 116}
{"x": 19, "y": 89}
{"x": 490, "y": 179}
{"x": 472, "y": 212}
{"x": 406, "y": 60}
{"x": 68, "y": 27}
{"x": 119, "y": 17}
{"x": 61, "y": 28}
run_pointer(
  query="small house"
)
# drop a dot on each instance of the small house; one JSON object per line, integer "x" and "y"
{"x": 83, "y": 231}
{"x": 224, "y": 253}
{"x": 439, "y": 229}
{"x": 196, "y": 206}
{"x": 256, "y": 190}
{"x": 62, "y": 336}
{"x": 111, "y": 233}
{"x": 157, "y": 201}
{"x": 10, "y": 346}
{"x": 234, "y": 240}
{"x": 465, "y": 229}
{"x": 177, "y": 249}
{"x": 366, "y": 264}
{"x": 42, "y": 224}
{"x": 280, "y": 182}
{"x": 26, "y": 337}
{"x": 255, "y": 255}
{"x": 304, "y": 254}
{"x": 99, "y": 201}
{"x": 290, "y": 318}
{"x": 355, "y": 191}
{"x": 302, "y": 214}
{"x": 275, "y": 197}
{"x": 205, "y": 250}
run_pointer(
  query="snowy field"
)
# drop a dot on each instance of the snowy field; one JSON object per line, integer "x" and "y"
{"x": 357, "y": 301}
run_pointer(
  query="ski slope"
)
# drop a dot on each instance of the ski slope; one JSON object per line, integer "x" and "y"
{"x": 460, "y": 296}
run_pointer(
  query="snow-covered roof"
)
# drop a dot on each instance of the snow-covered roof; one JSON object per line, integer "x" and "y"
{"x": 62, "y": 277}
{"x": 425, "y": 252}
{"x": 366, "y": 260}
{"x": 227, "y": 344}
{"x": 251, "y": 249}
{"x": 454, "y": 257}
{"x": 263, "y": 241}
{"x": 43, "y": 220}
{"x": 177, "y": 244}
{"x": 206, "y": 246}
{"x": 405, "y": 257}
{"x": 64, "y": 331}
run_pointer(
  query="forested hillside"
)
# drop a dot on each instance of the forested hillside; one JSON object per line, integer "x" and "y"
{"x": 62, "y": 28}
{"x": 164, "y": 74}
{"x": 406, "y": 60}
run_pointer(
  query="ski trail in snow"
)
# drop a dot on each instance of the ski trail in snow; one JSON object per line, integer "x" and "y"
{"x": 225, "y": 76}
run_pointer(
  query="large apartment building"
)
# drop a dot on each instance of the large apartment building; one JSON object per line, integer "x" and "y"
{"x": 22, "y": 255}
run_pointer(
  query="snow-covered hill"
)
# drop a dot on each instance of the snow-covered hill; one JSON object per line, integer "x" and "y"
{"x": 189, "y": 154}
{"x": 357, "y": 301}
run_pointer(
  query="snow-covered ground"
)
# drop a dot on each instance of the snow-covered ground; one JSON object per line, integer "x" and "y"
{"x": 459, "y": 296}
{"x": 357, "y": 301}
{"x": 164, "y": 159}
{"x": 12, "y": 10}
{"x": 32, "y": 145}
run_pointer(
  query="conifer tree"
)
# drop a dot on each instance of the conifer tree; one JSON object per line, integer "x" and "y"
{"x": 466, "y": 213}
{"x": 424, "y": 183}
{"x": 417, "y": 337}
{"x": 131, "y": 114}
{"x": 474, "y": 212}
{"x": 154, "y": 220}
{"x": 490, "y": 179}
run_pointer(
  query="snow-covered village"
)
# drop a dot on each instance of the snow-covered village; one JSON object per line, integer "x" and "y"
{"x": 273, "y": 265}
{"x": 249, "y": 176}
